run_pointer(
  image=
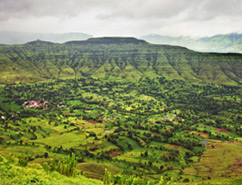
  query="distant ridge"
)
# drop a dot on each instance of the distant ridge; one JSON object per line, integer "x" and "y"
{"x": 22, "y": 37}
{"x": 110, "y": 40}
{"x": 228, "y": 43}
{"x": 115, "y": 57}
{"x": 36, "y": 42}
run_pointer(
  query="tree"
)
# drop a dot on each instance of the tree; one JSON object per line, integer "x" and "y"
{"x": 46, "y": 155}
{"x": 150, "y": 163}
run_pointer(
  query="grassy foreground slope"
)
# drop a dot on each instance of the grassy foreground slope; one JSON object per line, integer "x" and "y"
{"x": 11, "y": 173}
{"x": 126, "y": 58}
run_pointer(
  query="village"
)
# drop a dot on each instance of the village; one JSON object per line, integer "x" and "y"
{"x": 35, "y": 104}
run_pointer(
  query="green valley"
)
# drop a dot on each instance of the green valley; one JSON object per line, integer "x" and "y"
{"x": 119, "y": 111}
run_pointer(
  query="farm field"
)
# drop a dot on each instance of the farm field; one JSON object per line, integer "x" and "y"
{"x": 221, "y": 159}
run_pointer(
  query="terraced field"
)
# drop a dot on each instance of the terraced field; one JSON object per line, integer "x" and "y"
{"x": 220, "y": 159}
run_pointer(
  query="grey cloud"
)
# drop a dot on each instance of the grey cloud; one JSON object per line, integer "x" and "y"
{"x": 211, "y": 9}
{"x": 41, "y": 8}
{"x": 124, "y": 17}
{"x": 128, "y": 9}
{"x": 165, "y": 9}
{"x": 138, "y": 9}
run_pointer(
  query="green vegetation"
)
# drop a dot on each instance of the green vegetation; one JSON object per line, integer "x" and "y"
{"x": 220, "y": 158}
{"x": 143, "y": 130}
{"x": 12, "y": 173}
{"x": 126, "y": 58}
{"x": 150, "y": 128}
{"x": 66, "y": 166}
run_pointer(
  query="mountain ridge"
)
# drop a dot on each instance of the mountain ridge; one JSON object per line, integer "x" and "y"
{"x": 24, "y": 37}
{"x": 126, "y": 58}
{"x": 217, "y": 43}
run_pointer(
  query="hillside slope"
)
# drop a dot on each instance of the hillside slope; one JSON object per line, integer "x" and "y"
{"x": 127, "y": 58}
{"x": 34, "y": 174}
{"x": 12, "y": 173}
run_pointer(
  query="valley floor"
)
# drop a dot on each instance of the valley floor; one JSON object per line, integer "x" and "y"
{"x": 180, "y": 131}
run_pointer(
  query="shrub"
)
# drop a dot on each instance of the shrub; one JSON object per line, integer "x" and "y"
{"x": 23, "y": 161}
{"x": 128, "y": 180}
{"x": 66, "y": 166}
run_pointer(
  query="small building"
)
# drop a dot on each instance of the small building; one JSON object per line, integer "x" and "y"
{"x": 203, "y": 142}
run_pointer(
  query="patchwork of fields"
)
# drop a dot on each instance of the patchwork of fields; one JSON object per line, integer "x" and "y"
{"x": 156, "y": 130}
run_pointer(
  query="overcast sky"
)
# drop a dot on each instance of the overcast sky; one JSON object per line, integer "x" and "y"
{"x": 194, "y": 18}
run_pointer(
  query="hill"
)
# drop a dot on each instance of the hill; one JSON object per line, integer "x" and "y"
{"x": 217, "y": 43}
{"x": 126, "y": 58}
{"x": 23, "y": 37}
